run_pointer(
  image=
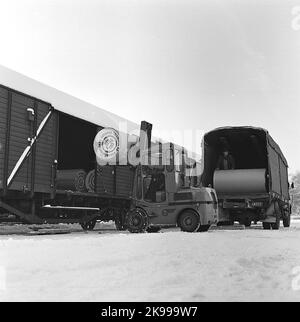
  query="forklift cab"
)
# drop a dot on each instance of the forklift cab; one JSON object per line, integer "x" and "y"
{"x": 164, "y": 177}
{"x": 154, "y": 185}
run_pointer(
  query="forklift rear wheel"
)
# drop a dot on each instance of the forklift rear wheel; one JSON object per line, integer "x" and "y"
{"x": 189, "y": 221}
{"x": 137, "y": 221}
{"x": 88, "y": 225}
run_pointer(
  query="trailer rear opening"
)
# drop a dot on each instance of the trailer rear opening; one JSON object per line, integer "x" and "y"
{"x": 257, "y": 189}
{"x": 247, "y": 146}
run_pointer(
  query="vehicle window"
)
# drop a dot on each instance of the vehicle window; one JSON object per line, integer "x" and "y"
{"x": 179, "y": 168}
{"x": 169, "y": 160}
{"x": 154, "y": 188}
{"x": 139, "y": 187}
{"x": 178, "y": 160}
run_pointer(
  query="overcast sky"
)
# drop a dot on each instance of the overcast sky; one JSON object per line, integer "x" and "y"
{"x": 178, "y": 64}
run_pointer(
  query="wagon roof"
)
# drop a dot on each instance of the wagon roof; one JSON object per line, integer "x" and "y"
{"x": 61, "y": 101}
{"x": 271, "y": 141}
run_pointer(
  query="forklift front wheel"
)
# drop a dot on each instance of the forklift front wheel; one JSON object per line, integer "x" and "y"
{"x": 137, "y": 221}
{"x": 189, "y": 221}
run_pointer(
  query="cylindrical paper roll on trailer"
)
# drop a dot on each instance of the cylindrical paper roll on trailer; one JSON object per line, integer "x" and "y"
{"x": 247, "y": 181}
{"x": 90, "y": 181}
{"x": 73, "y": 180}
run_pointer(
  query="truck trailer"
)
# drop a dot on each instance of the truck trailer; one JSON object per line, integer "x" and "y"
{"x": 257, "y": 188}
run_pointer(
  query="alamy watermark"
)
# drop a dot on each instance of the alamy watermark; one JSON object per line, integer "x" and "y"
{"x": 119, "y": 146}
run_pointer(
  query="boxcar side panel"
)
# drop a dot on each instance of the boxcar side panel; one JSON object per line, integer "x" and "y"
{"x": 21, "y": 128}
{"x": 106, "y": 180}
{"x": 35, "y": 174}
{"x": 124, "y": 181}
{"x": 3, "y": 121}
{"x": 115, "y": 181}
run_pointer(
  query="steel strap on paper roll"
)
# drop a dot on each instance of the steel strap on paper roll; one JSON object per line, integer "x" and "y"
{"x": 240, "y": 181}
{"x": 73, "y": 180}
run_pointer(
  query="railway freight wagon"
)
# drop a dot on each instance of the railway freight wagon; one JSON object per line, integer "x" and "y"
{"x": 256, "y": 187}
{"x": 48, "y": 168}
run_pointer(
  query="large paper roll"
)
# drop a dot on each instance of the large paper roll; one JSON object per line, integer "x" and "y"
{"x": 111, "y": 147}
{"x": 73, "y": 180}
{"x": 90, "y": 181}
{"x": 247, "y": 181}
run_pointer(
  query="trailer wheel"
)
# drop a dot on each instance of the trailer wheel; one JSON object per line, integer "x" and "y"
{"x": 89, "y": 226}
{"x": 247, "y": 222}
{"x": 287, "y": 221}
{"x": 276, "y": 225}
{"x": 189, "y": 221}
{"x": 137, "y": 221}
{"x": 266, "y": 225}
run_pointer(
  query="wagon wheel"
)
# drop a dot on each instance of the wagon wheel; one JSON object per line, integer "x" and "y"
{"x": 120, "y": 222}
{"x": 137, "y": 221}
{"x": 189, "y": 221}
{"x": 88, "y": 226}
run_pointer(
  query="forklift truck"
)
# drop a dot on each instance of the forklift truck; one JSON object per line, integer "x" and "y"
{"x": 192, "y": 209}
{"x": 164, "y": 196}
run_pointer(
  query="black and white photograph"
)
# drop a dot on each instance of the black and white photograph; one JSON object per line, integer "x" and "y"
{"x": 149, "y": 153}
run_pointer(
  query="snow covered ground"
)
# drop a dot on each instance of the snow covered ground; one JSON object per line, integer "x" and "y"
{"x": 106, "y": 265}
